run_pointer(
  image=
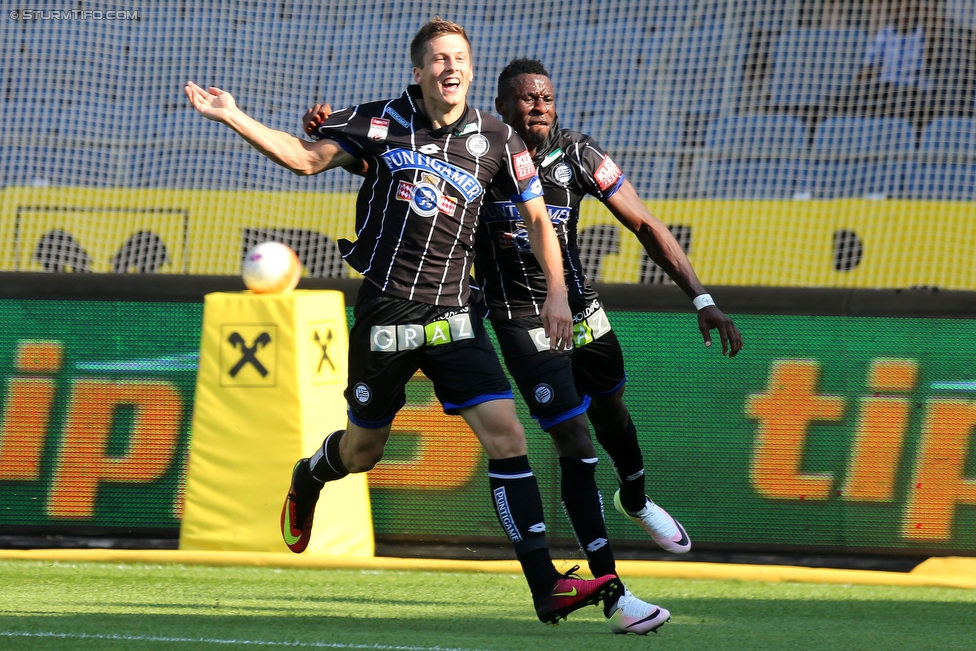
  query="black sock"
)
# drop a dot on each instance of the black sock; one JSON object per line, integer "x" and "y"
{"x": 515, "y": 494}
{"x": 628, "y": 462}
{"x": 584, "y": 508}
{"x": 305, "y": 483}
{"x": 326, "y": 464}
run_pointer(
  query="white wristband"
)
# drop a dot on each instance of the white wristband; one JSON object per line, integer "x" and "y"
{"x": 702, "y": 301}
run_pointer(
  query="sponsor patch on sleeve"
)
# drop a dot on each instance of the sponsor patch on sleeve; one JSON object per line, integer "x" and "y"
{"x": 379, "y": 129}
{"x": 524, "y": 168}
{"x": 607, "y": 174}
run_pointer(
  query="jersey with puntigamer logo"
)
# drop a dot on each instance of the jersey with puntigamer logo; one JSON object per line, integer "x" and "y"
{"x": 418, "y": 207}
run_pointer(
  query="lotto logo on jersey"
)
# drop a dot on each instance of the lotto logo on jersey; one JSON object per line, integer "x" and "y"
{"x": 524, "y": 169}
{"x": 607, "y": 174}
{"x": 379, "y": 128}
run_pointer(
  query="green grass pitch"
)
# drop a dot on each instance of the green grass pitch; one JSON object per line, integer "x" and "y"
{"x": 81, "y": 606}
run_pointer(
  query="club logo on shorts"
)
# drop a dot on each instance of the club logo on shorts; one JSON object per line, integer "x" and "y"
{"x": 543, "y": 394}
{"x": 477, "y": 145}
{"x": 379, "y": 128}
{"x": 362, "y": 393}
{"x": 563, "y": 174}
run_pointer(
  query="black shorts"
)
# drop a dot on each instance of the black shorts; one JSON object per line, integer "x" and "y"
{"x": 392, "y": 338}
{"x": 558, "y": 385}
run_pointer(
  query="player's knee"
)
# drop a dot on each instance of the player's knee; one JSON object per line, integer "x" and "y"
{"x": 609, "y": 413}
{"x": 505, "y": 442}
{"x": 571, "y": 438}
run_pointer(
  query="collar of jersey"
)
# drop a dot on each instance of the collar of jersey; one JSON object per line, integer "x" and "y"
{"x": 413, "y": 93}
{"x": 550, "y": 144}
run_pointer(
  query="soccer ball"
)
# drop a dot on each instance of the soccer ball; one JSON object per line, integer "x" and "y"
{"x": 271, "y": 268}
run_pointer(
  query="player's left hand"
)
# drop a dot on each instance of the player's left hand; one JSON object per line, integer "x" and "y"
{"x": 711, "y": 318}
{"x": 314, "y": 117}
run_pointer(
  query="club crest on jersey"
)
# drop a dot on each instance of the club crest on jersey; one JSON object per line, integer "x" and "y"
{"x": 518, "y": 239}
{"x": 524, "y": 168}
{"x": 379, "y": 129}
{"x": 477, "y": 145}
{"x": 563, "y": 174}
{"x": 607, "y": 174}
{"x": 425, "y": 198}
{"x": 404, "y": 159}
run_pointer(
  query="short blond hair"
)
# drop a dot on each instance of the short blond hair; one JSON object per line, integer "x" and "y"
{"x": 435, "y": 28}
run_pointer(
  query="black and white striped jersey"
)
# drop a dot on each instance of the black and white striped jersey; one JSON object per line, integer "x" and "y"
{"x": 571, "y": 165}
{"x": 417, "y": 210}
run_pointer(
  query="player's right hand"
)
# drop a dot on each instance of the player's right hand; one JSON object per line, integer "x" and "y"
{"x": 213, "y": 103}
{"x": 313, "y": 119}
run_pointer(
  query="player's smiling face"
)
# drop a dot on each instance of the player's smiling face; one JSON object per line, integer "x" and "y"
{"x": 528, "y": 104}
{"x": 447, "y": 73}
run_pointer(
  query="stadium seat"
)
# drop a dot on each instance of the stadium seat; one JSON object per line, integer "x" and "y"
{"x": 753, "y": 156}
{"x": 654, "y": 177}
{"x": 607, "y": 82}
{"x": 857, "y": 157}
{"x": 813, "y": 68}
{"x": 704, "y": 71}
{"x": 947, "y": 161}
{"x": 644, "y": 145}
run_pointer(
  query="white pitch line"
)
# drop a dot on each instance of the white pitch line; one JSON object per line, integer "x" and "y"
{"x": 208, "y": 640}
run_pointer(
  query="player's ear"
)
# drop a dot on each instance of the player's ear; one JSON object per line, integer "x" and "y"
{"x": 416, "y": 75}
{"x": 499, "y": 106}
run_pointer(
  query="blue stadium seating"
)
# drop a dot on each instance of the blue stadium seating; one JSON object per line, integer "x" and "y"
{"x": 947, "y": 161}
{"x": 855, "y": 157}
{"x": 604, "y": 83}
{"x": 644, "y": 146}
{"x": 754, "y": 156}
{"x": 814, "y": 67}
{"x": 116, "y": 89}
{"x": 705, "y": 70}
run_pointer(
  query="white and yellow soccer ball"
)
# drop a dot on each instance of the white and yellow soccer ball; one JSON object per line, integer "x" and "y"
{"x": 271, "y": 268}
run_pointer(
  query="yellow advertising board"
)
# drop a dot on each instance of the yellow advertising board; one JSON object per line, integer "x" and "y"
{"x": 832, "y": 243}
{"x": 269, "y": 390}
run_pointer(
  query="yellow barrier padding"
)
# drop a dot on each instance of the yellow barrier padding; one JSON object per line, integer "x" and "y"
{"x": 949, "y": 572}
{"x": 269, "y": 389}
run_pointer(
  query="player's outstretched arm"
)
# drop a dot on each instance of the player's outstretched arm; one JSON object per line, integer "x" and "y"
{"x": 557, "y": 318}
{"x": 299, "y": 156}
{"x": 666, "y": 251}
